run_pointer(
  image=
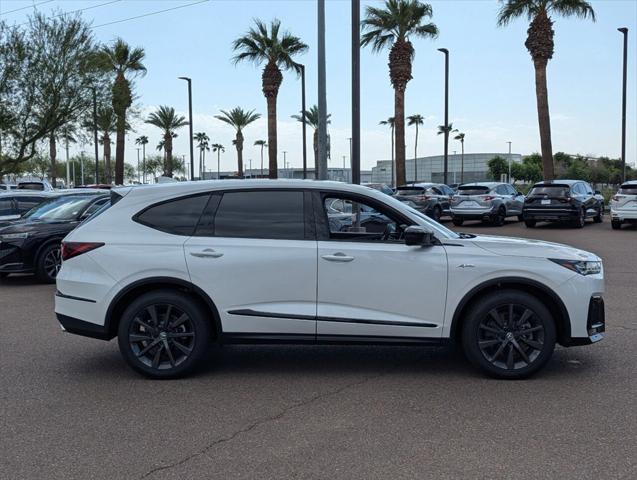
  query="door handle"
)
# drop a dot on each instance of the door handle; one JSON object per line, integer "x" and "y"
{"x": 207, "y": 253}
{"x": 337, "y": 257}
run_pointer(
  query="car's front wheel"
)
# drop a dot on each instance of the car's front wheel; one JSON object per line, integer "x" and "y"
{"x": 500, "y": 217}
{"x": 599, "y": 216}
{"x": 509, "y": 334}
{"x": 164, "y": 334}
{"x": 616, "y": 224}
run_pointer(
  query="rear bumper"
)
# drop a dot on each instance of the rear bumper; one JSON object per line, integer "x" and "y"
{"x": 85, "y": 329}
{"x": 473, "y": 213}
{"x": 550, "y": 214}
{"x": 623, "y": 214}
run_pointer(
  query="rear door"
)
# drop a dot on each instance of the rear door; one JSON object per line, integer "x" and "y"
{"x": 254, "y": 253}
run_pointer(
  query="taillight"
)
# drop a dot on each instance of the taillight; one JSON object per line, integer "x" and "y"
{"x": 73, "y": 249}
{"x": 487, "y": 198}
{"x": 423, "y": 198}
{"x": 616, "y": 198}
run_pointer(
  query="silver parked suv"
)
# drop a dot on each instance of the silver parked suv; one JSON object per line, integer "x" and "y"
{"x": 490, "y": 202}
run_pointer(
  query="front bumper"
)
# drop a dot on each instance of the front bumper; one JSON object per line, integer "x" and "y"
{"x": 550, "y": 214}
{"x": 595, "y": 324}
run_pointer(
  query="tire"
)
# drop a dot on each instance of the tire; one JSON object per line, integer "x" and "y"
{"x": 49, "y": 263}
{"x": 3, "y": 275}
{"x": 520, "y": 218}
{"x": 500, "y": 217}
{"x": 457, "y": 221}
{"x": 599, "y": 218}
{"x": 581, "y": 219}
{"x": 504, "y": 349}
{"x": 616, "y": 224}
{"x": 159, "y": 350}
{"x": 530, "y": 223}
{"x": 436, "y": 214}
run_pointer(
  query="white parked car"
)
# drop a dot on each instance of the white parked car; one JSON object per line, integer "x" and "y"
{"x": 170, "y": 269}
{"x": 623, "y": 206}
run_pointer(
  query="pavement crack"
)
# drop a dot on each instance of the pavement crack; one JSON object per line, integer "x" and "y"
{"x": 204, "y": 451}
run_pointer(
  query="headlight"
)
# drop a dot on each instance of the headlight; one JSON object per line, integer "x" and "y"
{"x": 7, "y": 237}
{"x": 580, "y": 266}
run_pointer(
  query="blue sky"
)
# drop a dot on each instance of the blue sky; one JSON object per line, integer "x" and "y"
{"x": 492, "y": 95}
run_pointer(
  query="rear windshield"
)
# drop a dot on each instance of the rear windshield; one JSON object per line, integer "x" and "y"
{"x": 410, "y": 190}
{"x": 30, "y": 186}
{"x": 473, "y": 190}
{"x": 628, "y": 189}
{"x": 551, "y": 190}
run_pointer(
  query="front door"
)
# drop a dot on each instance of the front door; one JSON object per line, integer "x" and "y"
{"x": 370, "y": 284}
{"x": 254, "y": 253}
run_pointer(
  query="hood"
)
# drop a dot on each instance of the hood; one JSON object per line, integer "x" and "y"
{"x": 525, "y": 247}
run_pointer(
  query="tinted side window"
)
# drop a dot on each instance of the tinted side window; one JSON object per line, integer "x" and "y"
{"x": 27, "y": 203}
{"x": 178, "y": 217}
{"x": 6, "y": 207}
{"x": 261, "y": 214}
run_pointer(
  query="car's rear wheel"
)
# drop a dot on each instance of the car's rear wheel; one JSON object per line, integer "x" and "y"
{"x": 530, "y": 223}
{"x": 436, "y": 214}
{"x": 457, "y": 221}
{"x": 520, "y": 218}
{"x": 49, "y": 263}
{"x": 3, "y": 275}
{"x": 509, "y": 334}
{"x": 616, "y": 224}
{"x": 164, "y": 334}
{"x": 500, "y": 217}
{"x": 581, "y": 219}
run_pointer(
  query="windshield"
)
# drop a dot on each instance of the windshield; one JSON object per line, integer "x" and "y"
{"x": 473, "y": 190}
{"x": 551, "y": 190}
{"x": 60, "y": 208}
{"x": 423, "y": 219}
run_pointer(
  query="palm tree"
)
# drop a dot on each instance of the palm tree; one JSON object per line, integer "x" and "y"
{"x": 312, "y": 119}
{"x": 390, "y": 122}
{"x": 166, "y": 119}
{"x": 121, "y": 60}
{"x": 106, "y": 124}
{"x": 460, "y": 137}
{"x": 238, "y": 119}
{"x": 276, "y": 49}
{"x": 392, "y": 27}
{"x": 539, "y": 43}
{"x": 202, "y": 144}
{"x": 143, "y": 140}
{"x": 262, "y": 144}
{"x": 417, "y": 120}
{"x": 217, "y": 147}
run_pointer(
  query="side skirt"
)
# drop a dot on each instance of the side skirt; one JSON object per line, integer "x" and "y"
{"x": 293, "y": 339}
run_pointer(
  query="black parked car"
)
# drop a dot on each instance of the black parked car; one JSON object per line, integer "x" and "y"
{"x": 432, "y": 199}
{"x": 16, "y": 203}
{"x": 568, "y": 201}
{"x": 32, "y": 244}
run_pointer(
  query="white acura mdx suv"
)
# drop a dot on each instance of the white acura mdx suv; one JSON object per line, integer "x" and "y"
{"x": 171, "y": 269}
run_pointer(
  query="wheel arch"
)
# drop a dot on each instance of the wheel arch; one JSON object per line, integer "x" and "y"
{"x": 545, "y": 294}
{"x": 140, "y": 287}
{"x": 43, "y": 245}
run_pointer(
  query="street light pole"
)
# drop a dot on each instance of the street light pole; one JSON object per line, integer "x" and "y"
{"x": 355, "y": 142}
{"x": 624, "y": 30}
{"x": 192, "y": 153}
{"x": 322, "y": 94}
{"x": 446, "y": 164}
{"x": 509, "y": 177}
{"x": 138, "y": 164}
{"x": 285, "y": 163}
{"x": 303, "y": 120}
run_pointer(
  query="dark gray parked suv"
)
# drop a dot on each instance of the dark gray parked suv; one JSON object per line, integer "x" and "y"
{"x": 432, "y": 199}
{"x": 489, "y": 202}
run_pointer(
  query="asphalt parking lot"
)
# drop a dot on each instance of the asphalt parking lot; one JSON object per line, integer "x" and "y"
{"x": 71, "y": 409}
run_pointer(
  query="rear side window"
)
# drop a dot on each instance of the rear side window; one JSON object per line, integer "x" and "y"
{"x": 628, "y": 189}
{"x": 261, "y": 214}
{"x": 6, "y": 207}
{"x": 178, "y": 217}
{"x": 27, "y": 203}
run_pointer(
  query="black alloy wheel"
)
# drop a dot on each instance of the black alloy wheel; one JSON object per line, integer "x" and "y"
{"x": 457, "y": 221}
{"x": 163, "y": 334}
{"x": 509, "y": 334}
{"x": 500, "y": 217}
{"x": 581, "y": 219}
{"x": 436, "y": 214}
{"x": 49, "y": 263}
{"x": 599, "y": 216}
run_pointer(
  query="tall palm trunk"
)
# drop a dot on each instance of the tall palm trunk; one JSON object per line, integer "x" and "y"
{"x": 53, "y": 155}
{"x": 393, "y": 159}
{"x": 462, "y": 162}
{"x": 219, "y": 164}
{"x": 262, "y": 160}
{"x": 416, "y": 156}
{"x": 271, "y": 80}
{"x": 239, "y": 145}
{"x": 272, "y": 134}
{"x": 107, "y": 156}
{"x": 119, "y": 149}
{"x": 544, "y": 119}
{"x": 168, "y": 148}
{"x": 316, "y": 153}
{"x": 203, "y": 163}
{"x": 399, "y": 133}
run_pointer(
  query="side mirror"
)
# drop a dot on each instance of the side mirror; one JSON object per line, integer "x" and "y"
{"x": 418, "y": 236}
{"x": 520, "y": 194}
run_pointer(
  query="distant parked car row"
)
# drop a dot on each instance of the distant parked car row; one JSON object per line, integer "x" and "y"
{"x": 623, "y": 206}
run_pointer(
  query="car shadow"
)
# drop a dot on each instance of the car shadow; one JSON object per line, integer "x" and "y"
{"x": 20, "y": 280}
